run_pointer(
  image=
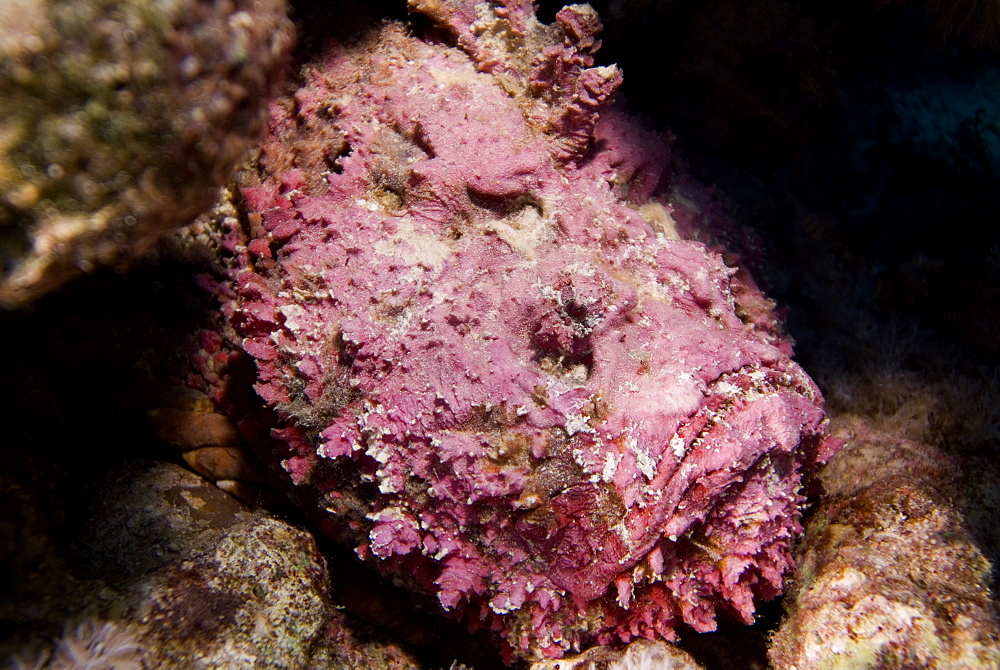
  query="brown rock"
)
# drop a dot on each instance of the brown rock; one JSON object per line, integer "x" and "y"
{"x": 118, "y": 121}
{"x": 193, "y": 430}
{"x": 639, "y": 655}
{"x": 180, "y": 575}
{"x": 215, "y": 463}
{"x": 889, "y": 575}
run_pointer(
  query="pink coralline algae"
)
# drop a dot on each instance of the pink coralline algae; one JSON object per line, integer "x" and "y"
{"x": 498, "y": 380}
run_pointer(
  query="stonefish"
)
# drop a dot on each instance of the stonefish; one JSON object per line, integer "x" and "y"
{"x": 501, "y": 374}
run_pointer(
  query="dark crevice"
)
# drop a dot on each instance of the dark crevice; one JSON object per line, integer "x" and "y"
{"x": 502, "y": 207}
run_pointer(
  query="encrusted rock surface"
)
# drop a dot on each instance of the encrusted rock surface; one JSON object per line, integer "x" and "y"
{"x": 176, "y": 573}
{"x": 889, "y": 575}
{"x": 118, "y": 121}
{"x": 498, "y": 372}
{"x": 639, "y": 655}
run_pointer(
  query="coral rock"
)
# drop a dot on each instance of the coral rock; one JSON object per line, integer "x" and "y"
{"x": 889, "y": 575}
{"x": 495, "y": 379}
{"x": 206, "y": 583}
{"x": 640, "y": 655}
{"x": 118, "y": 121}
{"x": 192, "y": 430}
{"x": 153, "y": 567}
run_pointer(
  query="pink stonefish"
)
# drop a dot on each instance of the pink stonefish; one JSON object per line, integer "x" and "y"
{"x": 502, "y": 375}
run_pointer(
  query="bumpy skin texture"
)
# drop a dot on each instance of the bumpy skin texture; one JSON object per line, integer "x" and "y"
{"x": 120, "y": 120}
{"x": 496, "y": 379}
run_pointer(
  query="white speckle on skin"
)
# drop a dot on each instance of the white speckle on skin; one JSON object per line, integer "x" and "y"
{"x": 728, "y": 388}
{"x": 677, "y": 446}
{"x": 576, "y": 423}
{"x": 610, "y": 466}
{"x": 506, "y": 608}
{"x": 643, "y": 459}
{"x": 386, "y": 486}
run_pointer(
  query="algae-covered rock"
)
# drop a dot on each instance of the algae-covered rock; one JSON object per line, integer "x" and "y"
{"x": 640, "y": 655}
{"x": 170, "y": 572}
{"x": 118, "y": 120}
{"x": 889, "y": 575}
{"x": 210, "y": 584}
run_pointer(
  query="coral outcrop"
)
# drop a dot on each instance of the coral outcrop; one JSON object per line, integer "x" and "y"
{"x": 639, "y": 655}
{"x": 498, "y": 372}
{"x": 118, "y": 121}
{"x": 168, "y": 571}
{"x": 889, "y": 574}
